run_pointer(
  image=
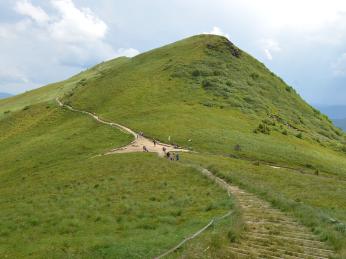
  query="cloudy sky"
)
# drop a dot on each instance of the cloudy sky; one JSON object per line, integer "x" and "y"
{"x": 43, "y": 41}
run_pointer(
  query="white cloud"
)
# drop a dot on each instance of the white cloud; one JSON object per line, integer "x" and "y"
{"x": 70, "y": 24}
{"x": 269, "y": 46}
{"x": 127, "y": 52}
{"x": 12, "y": 75}
{"x": 75, "y": 35}
{"x": 10, "y": 31}
{"x": 307, "y": 14}
{"x": 217, "y": 31}
{"x": 76, "y": 25}
{"x": 268, "y": 54}
{"x": 24, "y": 7}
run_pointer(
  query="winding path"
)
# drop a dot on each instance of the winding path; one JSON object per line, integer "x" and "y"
{"x": 137, "y": 144}
{"x": 269, "y": 232}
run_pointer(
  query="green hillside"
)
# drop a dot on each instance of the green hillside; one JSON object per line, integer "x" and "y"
{"x": 203, "y": 93}
{"x": 199, "y": 91}
{"x": 57, "y": 199}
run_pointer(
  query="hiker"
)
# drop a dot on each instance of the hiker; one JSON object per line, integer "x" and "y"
{"x": 172, "y": 157}
{"x": 164, "y": 150}
{"x": 177, "y": 157}
{"x": 154, "y": 141}
{"x": 145, "y": 149}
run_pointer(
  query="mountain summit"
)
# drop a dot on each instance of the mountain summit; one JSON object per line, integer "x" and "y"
{"x": 202, "y": 78}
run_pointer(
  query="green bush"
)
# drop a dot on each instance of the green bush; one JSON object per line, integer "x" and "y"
{"x": 196, "y": 73}
{"x": 254, "y": 76}
{"x": 343, "y": 149}
{"x": 207, "y": 84}
{"x": 237, "y": 147}
{"x": 231, "y": 236}
{"x": 262, "y": 128}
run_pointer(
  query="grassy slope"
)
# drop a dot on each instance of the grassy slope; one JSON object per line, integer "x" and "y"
{"x": 57, "y": 200}
{"x": 197, "y": 91}
{"x": 50, "y": 92}
{"x": 160, "y": 85}
{"x": 163, "y": 86}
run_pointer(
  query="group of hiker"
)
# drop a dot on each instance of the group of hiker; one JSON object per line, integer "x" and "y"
{"x": 169, "y": 155}
{"x": 145, "y": 149}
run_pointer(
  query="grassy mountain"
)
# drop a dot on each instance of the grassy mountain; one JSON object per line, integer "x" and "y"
{"x": 203, "y": 93}
{"x": 206, "y": 90}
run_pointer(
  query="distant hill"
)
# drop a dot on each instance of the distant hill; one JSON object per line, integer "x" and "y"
{"x": 333, "y": 111}
{"x": 337, "y": 113}
{"x": 341, "y": 123}
{"x": 5, "y": 95}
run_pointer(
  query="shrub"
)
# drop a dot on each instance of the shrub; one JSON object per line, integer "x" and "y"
{"x": 210, "y": 207}
{"x": 177, "y": 213}
{"x": 82, "y": 82}
{"x": 254, "y": 76}
{"x": 217, "y": 73}
{"x": 262, "y": 128}
{"x": 343, "y": 149}
{"x": 288, "y": 88}
{"x": 237, "y": 147}
{"x": 317, "y": 172}
{"x": 6, "y": 112}
{"x": 231, "y": 236}
{"x": 269, "y": 122}
{"x": 26, "y": 108}
{"x": 229, "y": 83}
{"x": 196, "y": 72}
{"x": 285, "y": 132}
{"x": 207, "y": 84}
{"x": 235, "y": 51}
{"x": 309, "y": 166}
{"x": 299, "y": 135}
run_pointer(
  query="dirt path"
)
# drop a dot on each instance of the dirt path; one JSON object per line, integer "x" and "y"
{"x": 269, "y": 232}
{"x": 136, "y": 145}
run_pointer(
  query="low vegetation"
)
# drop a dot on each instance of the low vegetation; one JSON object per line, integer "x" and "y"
{"x": 58, "y": 199}
{"x": 320, "y": 206}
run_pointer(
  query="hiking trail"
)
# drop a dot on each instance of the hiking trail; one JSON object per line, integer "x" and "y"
{"x": 137, "y": 144}
{"x": 269, "y": 232}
